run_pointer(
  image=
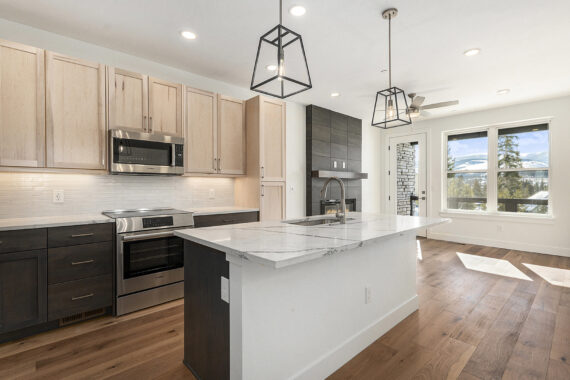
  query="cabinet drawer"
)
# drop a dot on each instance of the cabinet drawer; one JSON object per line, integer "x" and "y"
{"x": 83, "y": 234}
{"x": 77, "y": 262}
{"x": 79, "y": 296}
{"x": 221, "y": 219}
{"x": 22, "y": 240}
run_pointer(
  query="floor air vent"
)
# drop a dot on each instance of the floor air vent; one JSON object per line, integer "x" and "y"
{"x": 81, "y": 317}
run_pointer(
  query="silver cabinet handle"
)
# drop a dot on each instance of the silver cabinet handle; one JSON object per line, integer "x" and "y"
{"x": 262, "y": 190}
{"x": 82, "y": 297}
{"x": 219, "y": 164}
{"x": 82, "y": 235}
{"x": 145, "y": 123}
{"x": 215, "y": 166}
{"x": 150, "y": 124}
{"x": 82, "y": 262}
{"x": 263, "y": 172}
{"x": 173, "y": 158}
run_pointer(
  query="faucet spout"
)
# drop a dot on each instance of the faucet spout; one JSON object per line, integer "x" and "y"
{"x": 341, "y": 215}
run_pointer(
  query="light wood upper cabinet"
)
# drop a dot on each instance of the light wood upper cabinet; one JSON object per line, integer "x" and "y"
{"x": 200, "y": 136}
{"x": 22, "y": 105}
{"x": 272, "y": 139}
{"x": 165, "y": 107}
{"x": 231, "y": 135}
{"x": 75, "y": 117}
{"x": 272, "y": 203}
{"x": 128, "y": 99}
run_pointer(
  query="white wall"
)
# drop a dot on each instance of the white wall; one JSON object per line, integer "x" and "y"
{"x": 546, "y": 236}
{"x": 371, "y": 159}
{"x": 295, "y": 120}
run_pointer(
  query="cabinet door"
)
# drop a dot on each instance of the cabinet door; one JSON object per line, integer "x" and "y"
{"x": 128, "y": 99}
{"x": 22, "y": 105}
{"x": 272, "y": 140}
{"x": 23, "y": 289}
{"x": 231, "y": 135}
{"x": 164, "y": 107}
{"x": 200, "y": 131}
{"x": 75, "y": 122}
{"x": 272, "y": 204}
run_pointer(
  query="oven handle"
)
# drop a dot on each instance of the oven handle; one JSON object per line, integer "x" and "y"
{"x": 147, "y": 236}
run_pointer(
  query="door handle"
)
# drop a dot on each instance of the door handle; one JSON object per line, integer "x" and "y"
{"x": 82, "y": 262}
{"x": 82, "y": 235}
{"x": 82, "y": 297}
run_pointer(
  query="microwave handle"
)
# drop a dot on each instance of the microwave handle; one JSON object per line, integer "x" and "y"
{"x": 173, "y": 159}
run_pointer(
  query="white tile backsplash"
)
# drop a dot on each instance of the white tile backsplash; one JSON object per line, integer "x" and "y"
{"x": 31, "y": 194}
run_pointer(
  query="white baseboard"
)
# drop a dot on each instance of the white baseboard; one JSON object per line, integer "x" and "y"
{"x": 337, "y": 357}
{"x": 519, "y": 246}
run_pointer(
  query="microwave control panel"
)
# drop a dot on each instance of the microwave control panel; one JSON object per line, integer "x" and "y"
{"x": 159, "y": 221}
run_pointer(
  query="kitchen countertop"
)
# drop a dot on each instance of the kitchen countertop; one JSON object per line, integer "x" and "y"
{"x": 51, "y": 221}
{"x": 279, "y": 244}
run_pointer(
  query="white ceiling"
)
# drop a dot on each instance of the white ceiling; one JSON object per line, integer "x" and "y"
{"x": 525, "y": 44}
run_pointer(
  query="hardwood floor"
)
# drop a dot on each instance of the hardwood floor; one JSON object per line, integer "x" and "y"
{"x": 470, "y": 325}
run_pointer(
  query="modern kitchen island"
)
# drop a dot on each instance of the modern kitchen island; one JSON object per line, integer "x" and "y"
{"x": 295, "y": 299}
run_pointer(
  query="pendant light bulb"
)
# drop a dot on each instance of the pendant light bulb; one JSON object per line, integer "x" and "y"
{"x": 281, "y": 67}
{"x": 390, "y": 110}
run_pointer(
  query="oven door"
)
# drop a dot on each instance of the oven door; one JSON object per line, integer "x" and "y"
{"x": 144, "y": 153}
{"x": 147, "y": 260}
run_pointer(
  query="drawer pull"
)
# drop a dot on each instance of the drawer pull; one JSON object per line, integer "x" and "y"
{"x": 82, "y": 235}
{"x": 82, "y": 297}
{"x": 229, "y": 220}
{"x": 82, "y": 262}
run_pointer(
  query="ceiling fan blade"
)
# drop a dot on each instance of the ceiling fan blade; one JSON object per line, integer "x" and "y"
{"x": 441, "y": 104}
{"x": 417, "y": 101}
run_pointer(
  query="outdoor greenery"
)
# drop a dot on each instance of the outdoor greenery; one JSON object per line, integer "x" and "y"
{"x": 510, "y": 184}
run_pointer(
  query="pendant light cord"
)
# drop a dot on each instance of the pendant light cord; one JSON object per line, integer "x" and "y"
{"x": 280, "y": 12}
{"x": 389, "y": 51}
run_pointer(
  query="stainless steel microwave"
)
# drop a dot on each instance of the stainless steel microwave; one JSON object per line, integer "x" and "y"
{"x": 134, "y": 152}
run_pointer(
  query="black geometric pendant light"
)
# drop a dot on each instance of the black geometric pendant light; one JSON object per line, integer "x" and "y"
{"x": 280, "y": 68}
{"x": 391, "y": 105}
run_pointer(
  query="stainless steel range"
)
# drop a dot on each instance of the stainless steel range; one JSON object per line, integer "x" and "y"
{"x": 150, "y": 259}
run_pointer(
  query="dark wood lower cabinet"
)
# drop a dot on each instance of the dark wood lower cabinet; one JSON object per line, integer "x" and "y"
{"x": 206, "y": 315}
{"x": 79, "y": 296}
{"x": 224, "y": 219}
{"x": 23, "y": 289}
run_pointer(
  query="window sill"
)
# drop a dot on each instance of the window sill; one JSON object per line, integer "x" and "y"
{"x": 503, "y": 217}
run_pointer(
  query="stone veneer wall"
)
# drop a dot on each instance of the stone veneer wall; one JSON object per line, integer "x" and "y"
{"x": 406, "y": 176}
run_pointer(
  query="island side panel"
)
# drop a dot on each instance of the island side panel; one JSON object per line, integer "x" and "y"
{"x": 307, "y": 320}
{"x": 206, "y": 315}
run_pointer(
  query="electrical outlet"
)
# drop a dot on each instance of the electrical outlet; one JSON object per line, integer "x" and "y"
{"x": 211, "y": 194}
{"x": 58, "y": 196}
{"x": 367, "y": 295}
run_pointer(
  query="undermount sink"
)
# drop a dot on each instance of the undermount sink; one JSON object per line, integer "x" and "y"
{"x": 316, "y": 222}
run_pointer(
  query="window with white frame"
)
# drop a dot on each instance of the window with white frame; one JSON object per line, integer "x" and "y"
{"x": 499, "y": 170}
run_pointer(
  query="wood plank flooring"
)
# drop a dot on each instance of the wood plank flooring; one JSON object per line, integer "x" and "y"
{"x": 470, "y": 325}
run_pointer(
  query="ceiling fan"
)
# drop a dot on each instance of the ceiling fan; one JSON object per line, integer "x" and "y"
{"x": 416, "y": 109}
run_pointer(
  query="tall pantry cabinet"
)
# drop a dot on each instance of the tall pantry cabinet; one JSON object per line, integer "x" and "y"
{"x": 264, "y": 185}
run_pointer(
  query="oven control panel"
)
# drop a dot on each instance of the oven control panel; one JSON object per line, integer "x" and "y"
{"x": 158, "y": 221}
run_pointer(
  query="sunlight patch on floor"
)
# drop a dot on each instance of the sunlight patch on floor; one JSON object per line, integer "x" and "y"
{"x": 491, "y": 265}
{"x": 555, "y": 276}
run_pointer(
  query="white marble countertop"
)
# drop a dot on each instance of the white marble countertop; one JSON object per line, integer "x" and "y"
{"x": 220, "y": 210}
{"x": 279, "y": 244}
{"x": 51, "y": 221}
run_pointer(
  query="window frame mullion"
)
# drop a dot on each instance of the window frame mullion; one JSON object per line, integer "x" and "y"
{"x": 492, "y": 168}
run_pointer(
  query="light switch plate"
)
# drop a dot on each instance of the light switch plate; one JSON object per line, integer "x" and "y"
{"x": 58, "y": 196}
{"x": 225, "y": 289}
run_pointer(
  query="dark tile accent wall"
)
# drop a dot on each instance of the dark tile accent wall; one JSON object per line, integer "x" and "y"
{"x": 334, "y": 142}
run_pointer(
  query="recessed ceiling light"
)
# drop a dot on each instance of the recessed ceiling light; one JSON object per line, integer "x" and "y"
{"x": 297, "y": 10}
{"x": 504, "y": 91}
{"x": 335, "y": 94}
{"x": 271, "y": 67}
{"x": 188, "y": 35}
{"x": 472, "y": 52}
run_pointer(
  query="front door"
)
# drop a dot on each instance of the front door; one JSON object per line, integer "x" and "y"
{"x": 408, "y": 190}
